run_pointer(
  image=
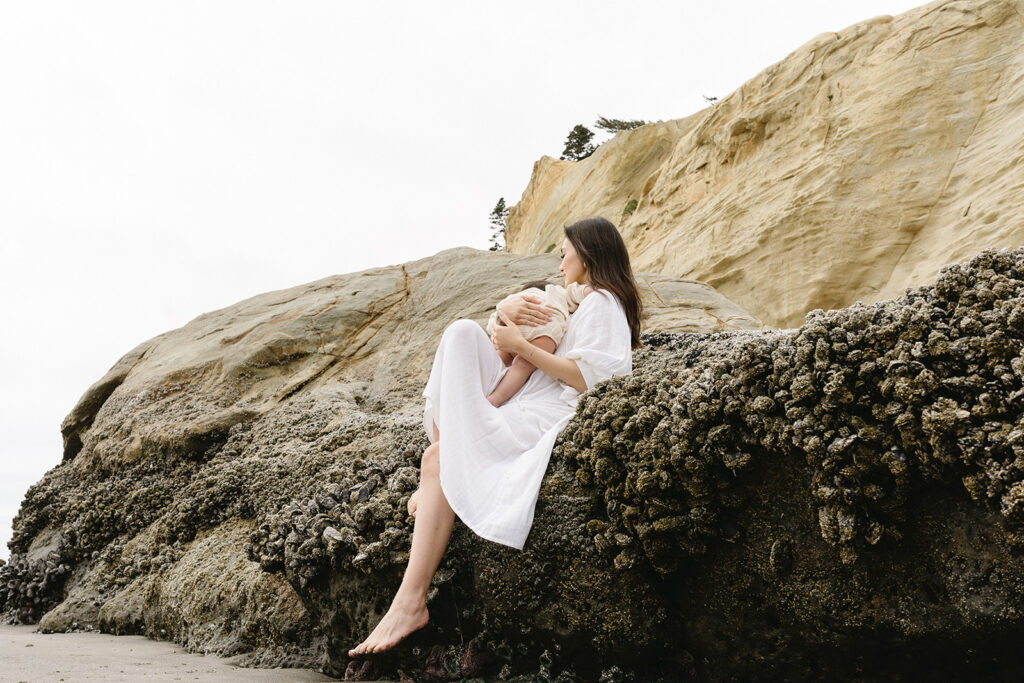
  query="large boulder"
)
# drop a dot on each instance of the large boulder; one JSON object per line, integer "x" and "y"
{"x": 195, "y": 438}
{"x": 855, "y": 167}
{"x": 843, "y": 499}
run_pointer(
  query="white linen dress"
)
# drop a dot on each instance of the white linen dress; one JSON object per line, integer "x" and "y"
{"x": 492, "y": 459}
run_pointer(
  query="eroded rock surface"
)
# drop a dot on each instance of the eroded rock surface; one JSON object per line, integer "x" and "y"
{"x": 844, "y": 499}
{"x": 196, "y": 438}
{"x": 855, "y": 167}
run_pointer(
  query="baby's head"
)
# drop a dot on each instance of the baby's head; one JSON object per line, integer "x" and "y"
{"x": 538, "y": 284}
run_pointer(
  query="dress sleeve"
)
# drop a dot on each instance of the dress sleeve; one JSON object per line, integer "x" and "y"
{"x": 601, "y": 343}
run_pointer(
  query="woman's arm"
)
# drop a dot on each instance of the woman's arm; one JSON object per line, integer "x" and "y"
{"x": 526, "y": 310}
{"x": 508, "y": 338}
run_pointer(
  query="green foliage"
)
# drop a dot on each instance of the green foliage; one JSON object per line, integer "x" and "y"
{"x": 616, "y": 125}
{"x": 578, "y": 145}
{"x": 497, "y": 221}
{"x": 629, "y": 208}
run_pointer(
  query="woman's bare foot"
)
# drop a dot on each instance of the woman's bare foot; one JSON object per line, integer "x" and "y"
{"x": 414, "y": 503}
{"x": 400, "y": 621}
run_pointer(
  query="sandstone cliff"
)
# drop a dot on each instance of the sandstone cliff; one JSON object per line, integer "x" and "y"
{"x": 850, "y": 170}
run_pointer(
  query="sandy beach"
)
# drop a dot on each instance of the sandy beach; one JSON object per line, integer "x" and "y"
{"x": 26, "y": 655}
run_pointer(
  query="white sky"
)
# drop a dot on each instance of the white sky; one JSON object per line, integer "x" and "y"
{"x": 163, "y": 159}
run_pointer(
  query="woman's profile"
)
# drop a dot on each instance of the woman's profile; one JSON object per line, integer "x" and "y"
{"x": 485, "y": 463}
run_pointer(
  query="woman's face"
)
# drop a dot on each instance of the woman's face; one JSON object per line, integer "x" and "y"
{"x": 572, "y": 268}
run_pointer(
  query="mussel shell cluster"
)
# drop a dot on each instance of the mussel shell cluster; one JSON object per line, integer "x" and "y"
{"x": 876, "y": 399}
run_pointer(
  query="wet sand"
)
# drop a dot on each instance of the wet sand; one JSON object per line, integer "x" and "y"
{"x": 29, "y": 656}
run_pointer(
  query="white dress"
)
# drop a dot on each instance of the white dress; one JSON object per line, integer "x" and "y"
{"x": 492, "y": 459}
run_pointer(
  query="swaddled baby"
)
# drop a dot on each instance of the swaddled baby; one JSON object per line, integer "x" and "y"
{"x": 560, "y": 302}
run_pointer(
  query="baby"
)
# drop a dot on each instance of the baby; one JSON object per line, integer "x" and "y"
{"x": 560, "y": 301}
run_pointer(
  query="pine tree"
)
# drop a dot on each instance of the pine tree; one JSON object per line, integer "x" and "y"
{"x": 616, "y": 125}
{"x": 578, "y": 145}
{"x": 497, "y": 220}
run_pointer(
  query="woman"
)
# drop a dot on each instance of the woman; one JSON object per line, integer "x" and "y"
{"x": 488, "y": 467}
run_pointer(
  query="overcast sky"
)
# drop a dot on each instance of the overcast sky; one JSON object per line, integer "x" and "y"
{"x": 163, "y": 159}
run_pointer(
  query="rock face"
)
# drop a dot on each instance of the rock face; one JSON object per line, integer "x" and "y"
{"x": 196, "y": 438}
{"x": 852, "y": 169}
{"x": 845, "y": 499}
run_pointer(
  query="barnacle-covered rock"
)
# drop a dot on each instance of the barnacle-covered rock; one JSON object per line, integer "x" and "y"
{"x": 836, "y": 460}
{"x": 747, "y": 503}
{"x": 869, "y": 437}
{"x": 267, "y": 450}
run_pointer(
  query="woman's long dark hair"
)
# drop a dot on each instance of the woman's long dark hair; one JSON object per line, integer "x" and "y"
{"x": 600, "y": 245}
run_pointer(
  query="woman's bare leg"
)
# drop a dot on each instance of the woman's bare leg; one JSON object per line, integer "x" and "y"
{"x": 414, "y": 503}
{"x": 414, "y": 499}
{"x": 430, "y": 534}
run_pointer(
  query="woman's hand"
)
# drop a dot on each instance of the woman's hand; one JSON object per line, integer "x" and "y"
{"x": 507, "y": 338}
{"x": 526, "y": 310}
